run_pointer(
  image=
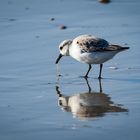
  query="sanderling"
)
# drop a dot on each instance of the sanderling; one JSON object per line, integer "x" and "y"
{"x": 90, "y": 50}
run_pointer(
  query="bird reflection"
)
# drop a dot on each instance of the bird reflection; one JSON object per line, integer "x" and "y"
{"x": 88, "y": 104}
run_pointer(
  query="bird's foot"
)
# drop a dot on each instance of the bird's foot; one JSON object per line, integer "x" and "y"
{"x": 84, "y": 77}
{"x": 100, "y": 77}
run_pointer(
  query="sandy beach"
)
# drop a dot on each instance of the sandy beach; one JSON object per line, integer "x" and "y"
{"x": 36, "y": 103}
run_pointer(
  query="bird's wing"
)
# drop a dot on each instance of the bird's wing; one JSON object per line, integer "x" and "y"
{"x": 113, "y": 47}
{"x": 89, "y": 43}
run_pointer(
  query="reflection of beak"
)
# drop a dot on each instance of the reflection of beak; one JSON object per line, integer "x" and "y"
{"x": 59, "y": 57}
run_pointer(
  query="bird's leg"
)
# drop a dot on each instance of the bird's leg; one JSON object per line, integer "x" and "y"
{"x": 86, "y": 76}
{"x": 101, "y": 66}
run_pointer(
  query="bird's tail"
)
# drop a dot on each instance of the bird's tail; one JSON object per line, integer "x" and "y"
{"x": 124, "y": 48}
{"x": 113, "y": 47}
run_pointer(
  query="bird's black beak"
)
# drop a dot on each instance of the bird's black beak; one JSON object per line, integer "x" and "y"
{"x": 59, "y": 57}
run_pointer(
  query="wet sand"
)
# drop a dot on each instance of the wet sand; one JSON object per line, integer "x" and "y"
{"x": 37, "y": 104}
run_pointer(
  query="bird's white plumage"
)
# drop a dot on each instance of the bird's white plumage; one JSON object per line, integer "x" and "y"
{"x": 84, "y": 49}
{"x": 90, "y": 50}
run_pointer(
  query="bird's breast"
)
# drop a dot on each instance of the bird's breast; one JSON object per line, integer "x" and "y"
{"x": 92, "y": 57}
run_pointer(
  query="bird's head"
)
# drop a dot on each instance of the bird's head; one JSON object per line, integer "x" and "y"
{"x": 64, "y": 49}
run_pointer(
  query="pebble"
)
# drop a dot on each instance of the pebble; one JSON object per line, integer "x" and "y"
{"x": 52, "y": 19}
{"x": 63, "y": 27}
{"x": 12, "y": 19}
{"x": 37, "y": 36}
{"x": 104, "y": 1}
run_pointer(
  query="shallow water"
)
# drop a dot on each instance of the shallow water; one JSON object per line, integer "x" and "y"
{"x": 30, "y": 106}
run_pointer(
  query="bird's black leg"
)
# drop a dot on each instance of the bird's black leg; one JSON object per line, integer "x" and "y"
{"x": 86, "y": 76}
{"x": 101, "y": 66}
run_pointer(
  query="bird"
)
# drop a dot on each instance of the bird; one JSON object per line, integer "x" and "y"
{"x": 89, "y": 49}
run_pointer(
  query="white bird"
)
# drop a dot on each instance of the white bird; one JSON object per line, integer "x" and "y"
{"x": 90, "y": 50}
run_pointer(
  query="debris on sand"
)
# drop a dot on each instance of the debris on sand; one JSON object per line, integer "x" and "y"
{"x": 113, "y": 67}
{"x": 104, "y": 1}
{"x": 63, "y": 27}
{"x": 12, "y": 19}
{"x": 52, "y": 19}
{"x": 37, "y": 36}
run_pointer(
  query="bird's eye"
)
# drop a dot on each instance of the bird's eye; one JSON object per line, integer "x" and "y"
{"x": 61, "y": 48}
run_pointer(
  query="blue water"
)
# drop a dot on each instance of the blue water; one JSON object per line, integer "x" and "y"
{"x": 29, "y": 101}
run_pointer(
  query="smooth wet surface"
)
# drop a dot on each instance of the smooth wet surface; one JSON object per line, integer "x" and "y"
{"x": 36, "y": 103}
